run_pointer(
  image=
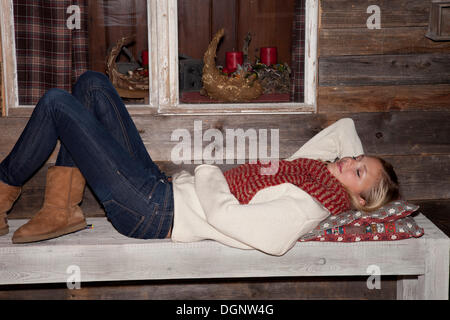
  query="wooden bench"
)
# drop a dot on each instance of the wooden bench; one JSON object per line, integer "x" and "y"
{"x": 102, "y": 254}
{"x": 419, "y": 153}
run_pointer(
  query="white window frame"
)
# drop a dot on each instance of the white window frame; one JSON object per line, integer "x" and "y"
{"x": 163, "y": 43}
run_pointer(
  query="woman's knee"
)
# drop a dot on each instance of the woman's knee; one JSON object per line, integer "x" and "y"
{"x": 52, "y": 96}
{"x": 54, "y": 100}
{"x": 89, "y": 80}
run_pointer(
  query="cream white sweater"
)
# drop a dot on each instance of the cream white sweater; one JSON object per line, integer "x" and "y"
{"x": 276, "y": 216}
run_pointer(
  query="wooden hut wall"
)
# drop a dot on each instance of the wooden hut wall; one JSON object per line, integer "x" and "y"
{"x": 394, "y": 68}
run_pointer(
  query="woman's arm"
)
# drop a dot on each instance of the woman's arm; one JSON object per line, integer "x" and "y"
{"x": 336, "y": 141}
{"x": 272, "y": 226}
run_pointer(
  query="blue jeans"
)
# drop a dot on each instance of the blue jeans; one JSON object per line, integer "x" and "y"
{"x": 99, "y": 137}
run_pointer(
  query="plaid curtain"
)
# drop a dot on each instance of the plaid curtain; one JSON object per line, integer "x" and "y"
{"x": 298, "y": 53}
{"x": 49, "y": 53}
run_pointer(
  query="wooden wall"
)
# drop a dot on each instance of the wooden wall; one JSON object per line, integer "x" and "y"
{"x": 111, "y": 20}
{"x": 269, "y": 23}
{"x": 392, "y": 68}
{"x": 198, "y": 20}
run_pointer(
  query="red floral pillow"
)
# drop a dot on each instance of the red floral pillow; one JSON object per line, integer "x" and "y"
{"x": 390, "y": 222}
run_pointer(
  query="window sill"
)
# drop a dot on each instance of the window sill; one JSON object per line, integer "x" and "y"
{"x": 199, "y": 109}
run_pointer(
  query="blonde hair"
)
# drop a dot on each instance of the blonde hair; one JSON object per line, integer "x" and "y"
{"x": 384, "y": 191}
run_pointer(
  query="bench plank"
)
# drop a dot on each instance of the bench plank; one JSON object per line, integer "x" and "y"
{"x": 102, "y": 254}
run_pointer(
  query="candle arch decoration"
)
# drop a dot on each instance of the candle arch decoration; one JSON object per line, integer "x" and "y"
{"x": 240, "y": 87}
{"x": 134, "y": 84}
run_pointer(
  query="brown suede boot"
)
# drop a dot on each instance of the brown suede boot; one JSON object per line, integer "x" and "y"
{"x": 8, "y": 195}
{"x": 60, "y": 213}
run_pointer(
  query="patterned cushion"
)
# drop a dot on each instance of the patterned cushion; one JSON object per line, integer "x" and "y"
{"x": 390, "y": 222}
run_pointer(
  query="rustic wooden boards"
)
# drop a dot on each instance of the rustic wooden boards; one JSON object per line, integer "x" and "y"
{"x": 392, "y": 68}
{"x": 285, "y": 288}
{"x": 385, "y": 70}
{"x": 124, "y": 258}
{"x": 362, "y": 41}
{"x": 383, "y": 133}
{"x": 353, "y": 14}
{"x": 384, "y": 98}
{"x": 107, "y": 22}
{"x": 269, "y": 23}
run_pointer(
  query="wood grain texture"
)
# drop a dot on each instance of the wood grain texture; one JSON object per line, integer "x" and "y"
{"x": 269, "y": 23}
{"x": 164, "y": 259}
{"x": 353, "y": 14}
{"x": 323, "y": 288}
{"x": 425, "y": 177}
{"x": 402, "y": 133}
{"x": 194, "y": 20}
{"x": 108, "y": 22}
{"x": 384, "y": 70}
{"x": 384, "y": 98}
{"x": 133, "y": 259}
{"x": 362, "y": 41}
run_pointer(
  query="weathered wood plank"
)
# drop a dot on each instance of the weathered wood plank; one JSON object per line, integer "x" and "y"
{"x": 384, "y": 70}
{"x": 322, "y": 288}
{"x": 423, "y": 178}
{"x": 395, "y": 133}
{"x": 384, "y": 98}
{"x": 353, "y": 14}
{"x": 403, "y": 40}
{"x": 402, "y": 133}
{"x": 134, "y": 259}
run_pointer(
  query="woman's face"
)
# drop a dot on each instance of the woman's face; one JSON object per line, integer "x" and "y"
{"x": 357, "y": 174}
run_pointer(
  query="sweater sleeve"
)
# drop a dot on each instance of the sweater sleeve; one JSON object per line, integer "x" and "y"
{"x": 336, "y": 141}
{"x": 272, "y": 226}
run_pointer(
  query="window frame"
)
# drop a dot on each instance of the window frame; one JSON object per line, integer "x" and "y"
{"x": 163, "y": 67}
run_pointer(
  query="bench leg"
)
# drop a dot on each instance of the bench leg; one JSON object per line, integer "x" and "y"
{"x": 435, "y": 282}
{"x": 407, "y": 288}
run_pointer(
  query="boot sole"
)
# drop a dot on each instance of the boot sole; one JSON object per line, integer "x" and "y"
{"x": 51, "y": 235}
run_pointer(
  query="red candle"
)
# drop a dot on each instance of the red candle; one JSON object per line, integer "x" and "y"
{"x": 234, "y": 58}
{"x": 268, "y": 55}
{"x": 144, "y": 56}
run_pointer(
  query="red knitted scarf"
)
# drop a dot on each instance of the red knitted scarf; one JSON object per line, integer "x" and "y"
{"x": 312, "y": 176}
